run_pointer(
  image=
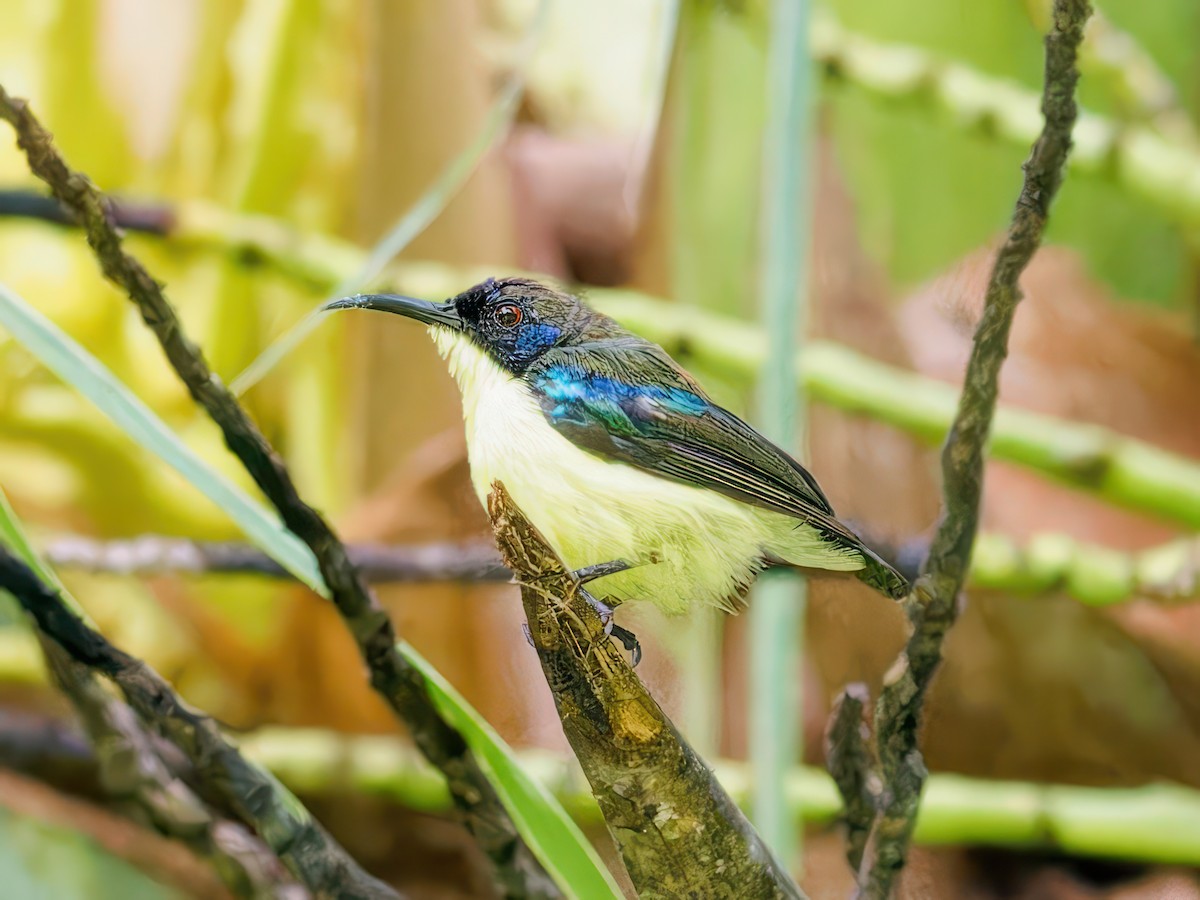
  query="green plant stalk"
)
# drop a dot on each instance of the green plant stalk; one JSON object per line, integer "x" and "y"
{"x": 777, "y": 615}
{"x": 1121, "y": 470}
{"x": 1154, "y": 823}
{"x": 131, "y": 768}
{"x": 1124, "y": 471}
{"x": 1139, "y": 160}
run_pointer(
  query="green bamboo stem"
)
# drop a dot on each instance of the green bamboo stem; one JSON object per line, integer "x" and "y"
{"x": 1122, "y": 470}
{"x": 1139, "y": 160}
{"x": 1154, "y": 823}
{"x": 778, "y": 611}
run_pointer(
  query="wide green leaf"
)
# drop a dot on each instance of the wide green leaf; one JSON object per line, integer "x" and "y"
{"x": 558, "y": 843}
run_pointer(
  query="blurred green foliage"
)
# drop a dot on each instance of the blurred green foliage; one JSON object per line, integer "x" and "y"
{"x": 911, "y": 167}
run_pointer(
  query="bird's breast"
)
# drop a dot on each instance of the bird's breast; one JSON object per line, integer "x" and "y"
{"x": 689, "y": 545}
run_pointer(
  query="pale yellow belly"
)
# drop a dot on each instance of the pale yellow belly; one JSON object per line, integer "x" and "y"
{"x": 688, "y": 545}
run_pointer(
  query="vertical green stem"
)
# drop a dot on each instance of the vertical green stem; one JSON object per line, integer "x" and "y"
{"x": 777, "y": 614}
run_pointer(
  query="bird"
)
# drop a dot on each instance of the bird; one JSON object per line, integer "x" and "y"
{"x": 617, "y": 454}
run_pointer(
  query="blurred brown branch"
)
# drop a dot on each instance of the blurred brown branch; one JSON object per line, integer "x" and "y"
{"x": 1048, "y": 563}
{"x": 244, "y": 787}
{"x": 516, "y": 867}
{"x": 679, "y": 833}
{"x": 932, "y": 608}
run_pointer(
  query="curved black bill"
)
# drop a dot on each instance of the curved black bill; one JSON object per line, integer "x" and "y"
{"x": 443, "y": 314}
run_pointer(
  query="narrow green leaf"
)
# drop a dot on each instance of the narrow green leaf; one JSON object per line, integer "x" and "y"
{"x": 74, "y": 365}
{"x": 556, "y": 840}
{"x": 414, "y": 220}
{"x": 552, "y": 835}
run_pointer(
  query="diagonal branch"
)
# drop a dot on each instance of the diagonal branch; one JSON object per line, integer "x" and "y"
{"x": 933, "y": 605}
{"x": 393, "y": 676}
{"x": 678, "y": 831}
{"x": 249, "y": 790}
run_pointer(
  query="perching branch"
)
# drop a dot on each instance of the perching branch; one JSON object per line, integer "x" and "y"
{"x": 679, "y": 833}
{"x": 249, "y": 790}
{"x": 932, "y": 607}
{"x": 397, "y": 680}
{"x": 1047, "y": 563}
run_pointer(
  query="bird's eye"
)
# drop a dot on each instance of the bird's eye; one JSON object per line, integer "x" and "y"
{"x": 507, "y": 316}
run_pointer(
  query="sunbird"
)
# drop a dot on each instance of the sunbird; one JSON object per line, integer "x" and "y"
{"x": 615, "y": 453}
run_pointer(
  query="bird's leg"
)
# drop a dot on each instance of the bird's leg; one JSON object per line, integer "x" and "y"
{"x": 627, "y": 638}
{"x": 599, "y": 570}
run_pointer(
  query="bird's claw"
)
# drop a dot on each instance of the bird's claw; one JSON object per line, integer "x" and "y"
{"x": 611, "y": 629}
{"x": 629, "y": 640}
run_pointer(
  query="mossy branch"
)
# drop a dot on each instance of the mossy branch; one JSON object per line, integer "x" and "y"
{"x": 244, "y": 787}
{"x": 933, "y": 606}
{"x": 678, "y": 831}
{"x": 393, "y": 676}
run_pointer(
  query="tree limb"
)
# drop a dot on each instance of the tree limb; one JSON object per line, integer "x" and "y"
{"x": 397, "y": 680}
{"x": 678, "y": 832}
{"x": 932, "y": 607}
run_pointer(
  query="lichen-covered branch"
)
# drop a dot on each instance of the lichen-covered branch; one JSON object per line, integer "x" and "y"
{"x": 933, "y": 606}
{"x": 244, "y": 787}
{"x": 393, "y": 676}
{"x": 1046, "y": 563}
{"x": 679, "y": 833}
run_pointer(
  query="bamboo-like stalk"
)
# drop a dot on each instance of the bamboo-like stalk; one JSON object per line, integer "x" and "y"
{"x": 1121, "y": 470}
{"x": 678, "y": 832}
{"x": 778, "y": 611}
{"x": 1153, "y": 823}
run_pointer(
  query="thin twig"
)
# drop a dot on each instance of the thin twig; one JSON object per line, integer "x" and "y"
{"x": 249, "y": 790}
{"x": 376, "y": 563}
{"x": 1048, "y": 563}
{"x": 933, "y": 605}
{"x": 851, "y": 763}
{"x": 678, "y": 831}
{"x": 397, "y": 680}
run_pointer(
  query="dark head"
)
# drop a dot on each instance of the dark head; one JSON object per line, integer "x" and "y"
{"x": 515, "y": 320}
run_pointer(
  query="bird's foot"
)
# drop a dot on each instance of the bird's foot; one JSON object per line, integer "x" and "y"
{"x": 627, "y": 638}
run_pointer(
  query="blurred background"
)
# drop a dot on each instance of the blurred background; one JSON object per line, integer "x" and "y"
{"x": 286, "y": 150}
